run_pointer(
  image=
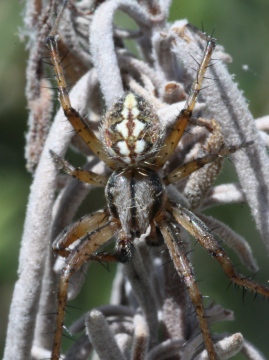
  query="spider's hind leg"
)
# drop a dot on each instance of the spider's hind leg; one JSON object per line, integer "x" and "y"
{"x": 76, "y": 120}
{"x": 177, "y": 129}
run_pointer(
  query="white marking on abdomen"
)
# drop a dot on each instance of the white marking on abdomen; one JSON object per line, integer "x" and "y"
{"x": 138, "y": 128}
{"x": 123, "y": 148}
{"x": 140, "y": 146}
{"x": 123, "y": 129}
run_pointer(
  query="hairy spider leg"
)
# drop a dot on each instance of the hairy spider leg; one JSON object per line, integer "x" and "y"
{"x": 177, "y": 129}
{"x": 86, "y": 176}
{"x": 77, "y": 230}
{"x": 85, "y": 251}
{"x": 79, "y": 124}
{"x": 178, "y": 250}
{"x": 189, "y": 167}
{"x": 202, "y": 233}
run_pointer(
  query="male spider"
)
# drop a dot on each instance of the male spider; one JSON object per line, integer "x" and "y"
{"x": 134, "y": 147}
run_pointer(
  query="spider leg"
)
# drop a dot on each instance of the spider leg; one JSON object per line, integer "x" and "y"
{"x": 86, "y": 176}
{"x": 76, "y": 120}
{"x": 77, "y": 230}
{"x": 85, "y": 251}
{"x": 177, "y": 250}
{"x": 193, "y": 165}
{"x": 201, "y": 232}
{"x": 182, "y": 120}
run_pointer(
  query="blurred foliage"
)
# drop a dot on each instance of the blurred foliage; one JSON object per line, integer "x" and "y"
{"x": 242, "y": 27}
{"x": 14, "y": 181}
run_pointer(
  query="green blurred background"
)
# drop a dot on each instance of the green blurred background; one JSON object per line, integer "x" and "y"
{"x": 242, "y": 27}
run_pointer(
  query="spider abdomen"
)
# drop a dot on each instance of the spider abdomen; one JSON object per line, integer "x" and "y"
{"x": 131, "y": 130}
{"x": 135, "y": 197}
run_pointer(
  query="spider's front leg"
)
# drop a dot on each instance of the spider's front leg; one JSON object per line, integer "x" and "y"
{"x": 201, "y": 232}
{"x": 178, "y": 250}
{"x": 101, "y": 231}
{"x": 78, "y": 230}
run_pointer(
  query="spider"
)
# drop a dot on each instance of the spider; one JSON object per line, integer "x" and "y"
{"x": 135, "y": 147}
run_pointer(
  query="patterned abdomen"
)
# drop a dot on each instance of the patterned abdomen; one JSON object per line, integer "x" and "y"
{"x": 131, "y": 130}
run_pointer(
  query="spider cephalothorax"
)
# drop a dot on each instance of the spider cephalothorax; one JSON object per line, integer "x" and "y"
{"x": 135, "y": 197}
